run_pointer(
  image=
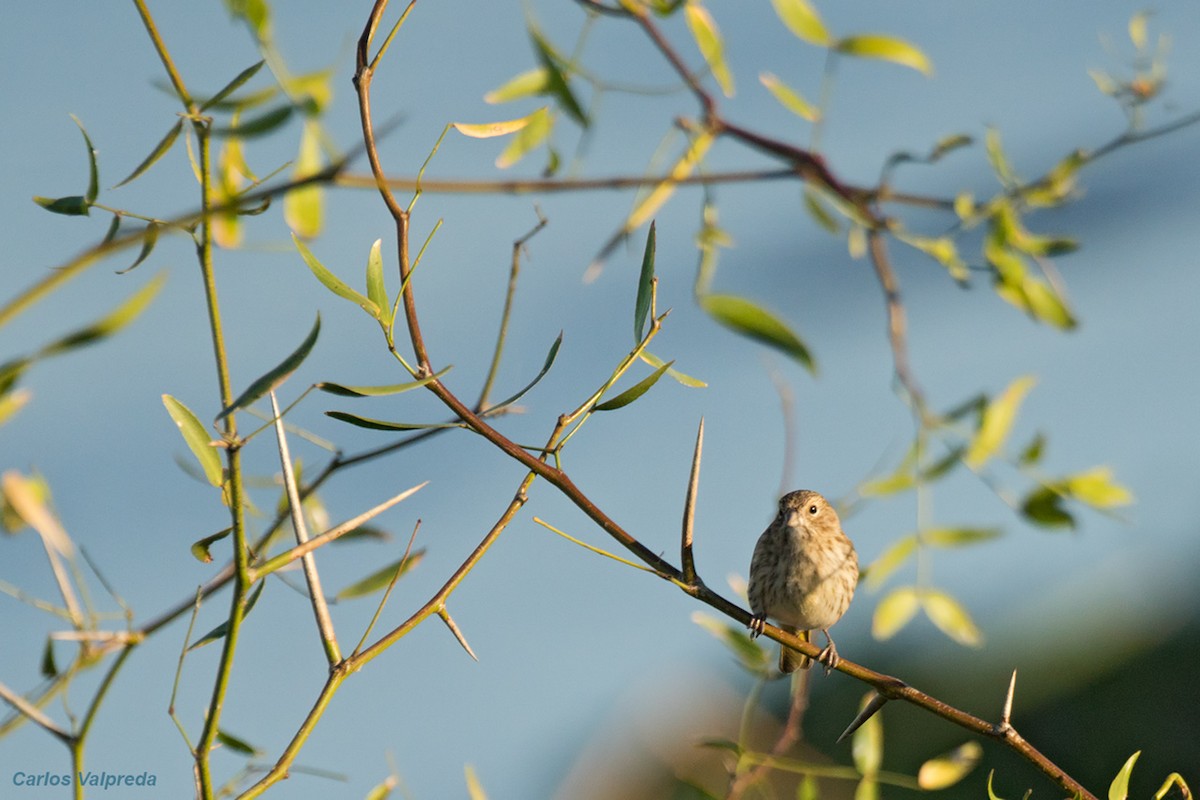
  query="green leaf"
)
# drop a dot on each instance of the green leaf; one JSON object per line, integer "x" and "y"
{"x": 113, "y": 227}
{"x": 277, "y": 374}
{"x": 633, "y": 392}
{"x": 749, "y": 319}
{"x": 333, "y": 283}
{"x": 941, "y": 249}
{"x": 550, "y": 356}
{"x": 221, "y": 630}
{"x": 200, "y": 549}
{"x": 161, "y": 149}
{"x": 946, "y": 770}
{"x": 93, "y": 172}
{"x": 957, "y": 537}
{"x": 997, "y": 158}
{"x": 49, "y": 668}
{"x": 889, "y": 561}
{"x": 866, "y": 746}
{"x": 197, "y": 439}
{"x": 789, "y": 98}
{"x": 748, "y": 652}
{"x": 950, "y": 617}
{"x": 12, "y": 402}
{"x": 237, "y": 745}
{"x": 803, "y": 21}
{"x": 233, "y": 85}
{"x": 1044, "y": 507}
{"x": 948, "y": 144}
{"x": 382, "y": 425}
{"x": 991, "y": 795}
{"x": 1137, "y": 32}
{"x": 683, "y": 379}
{"x": 303, "y": 206}
{"x": 1097, "y": 489}
{"x": 380, "y": 579}
{"x": 538, "y": 127}
{"x": 532, "y": 82}
{"x": 490, "y": 130}
{"x": 73, "y": 206}
{"x": 894, "y": 612}
{"x": 1032, "y": 453}
{"x": 378, "y": 391}
{"x": 649, "y": 205}
{"x": 1119, "y": 788}
{"x": 996, "y": 421}
{"x": 708, "y": 39}
{"x": 556, "y": 80}
{"x": 645, "y": 285}
{"x": 816, "y": 208}
{"x": 1045, "y": 304}
{"x": 376, "y": 288}
{"x": 258, "y": 126}
{"x": 149, "y": 240}
{"x": 885, "y": 48}
{"x": 382, "y": 791}
{"x": 110, "y": 323}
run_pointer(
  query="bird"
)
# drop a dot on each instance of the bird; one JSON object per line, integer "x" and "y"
{"x": 803, "y": 575}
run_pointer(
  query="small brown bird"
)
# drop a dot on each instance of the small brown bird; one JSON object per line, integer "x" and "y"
{"x": 803, "y": 575}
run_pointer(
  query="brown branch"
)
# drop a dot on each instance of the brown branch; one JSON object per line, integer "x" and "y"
{"x": 897, "y": 320}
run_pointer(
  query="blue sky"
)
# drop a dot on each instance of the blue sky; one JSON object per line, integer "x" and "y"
{"x": 569, "y": 643}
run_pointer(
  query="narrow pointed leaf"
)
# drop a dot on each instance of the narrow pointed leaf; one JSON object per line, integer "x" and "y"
{"x": 956, "y": 537}
{"x": 653, "y": 201}
{"x": 685, "y": 380}
{"x": 258, "y": 126}
{"x": 1119, "y": 788}
{"x": 803, "y": 21}
{"x": 197, "y": 439}
{"x": 645, "y": 285}
{"x": 490, "y": 130}
{"x": 110, "y": 323}
{"x": 889, "y": 561}
{"x": 633, "y": 392}
{"x": 149, "y": 240}
{"x": 1097, "y": 489}
{"x": 894, "y": 612}
{"x": 996, "y": 421}
{"x": 538, "y": 128}
{"x": 747, "y": 651}
{"x": 474, "y": 787}
{"x": 556, "y": 81}
{"x": 376, "y": 289}
{"x": 113, "y": 228}
{"x": 93, "y": 171}
{"x": 532, "y": 82}
{"x": 332, "y": 282}
{"x": 750, "y": 319}
{"x": 708, "y": 39}
{"x": 277, "y": 375}
{"x": 380, "y": 579}
{"x": 73, "y": 206}
{"x": 233, "y": 85}
{"x": 49, "y": 668}
{"x": 950, "y": 617}
{"x": 383, "y": 425}
{"x": 378, "y": 391}
{"x": 221, "y": 630}
{"x": 946, "y": 770}
{"x": 200, "y": 548}
{"x": 237, "y": 745}
{"x": 991, "y": 794}
{"x": 886, "y": 48}
{"x": 161, "y": 149}
{"x": 303, "y": 207}
{"x": 545, "y": 368}
{"x": 789, "y": 98}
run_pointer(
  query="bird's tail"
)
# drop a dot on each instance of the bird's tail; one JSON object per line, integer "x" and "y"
{"x": 791, "y": 660}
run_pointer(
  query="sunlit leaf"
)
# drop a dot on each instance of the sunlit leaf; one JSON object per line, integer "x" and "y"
{"x": 708, "y": 39}
{"x": 947, "y": 770}
{"x": 999, "y": 161}
{"x": 1096, "y": 488}
{"x": 382, "y": 791}
{"x": 645, "y": 287}
{"x": 274, "y": 377}
{"x": 950, "y": 617}
{"x": 303, "y": 207}
{"x": 556, "y": 79}
{"x": 1137, "y": 29}
{"x": 12, "y": 402}
{"x": 996, "y": 421}
{"x": 233, "y": 85}
{"x": 789, "y": 98}
{"x": 110, "y": 323}
{"x": 748, "y": 652}
{"x": 633, "y": 392}
{"x": 957, "y": 537}
{"x": 889, "y": 561}
{"x": 817, "y": 209}
{"x": 750, "y": 319}
{"x": 1119, "y": 788}
{"x": 161, "y": 149}
{"x": 943, "y": 250}
{"x": 1045, "y": 304}
{"x": 803, "y": 21}
{"x": 200, "y": 548}
{"x": 685, "y": 380}
{"x": 474, "y": 787}
{"x": 378, "y": 391}
{"x": 376, "y": 288}
{"x": 489, "y": 130}
{"x": 197, "y": 438}
{"x": 894, "y": 612}
{"x": 383, "y": 425}
{"x": 886, "y": 48}
{"x": 258, "y": 126}
{"x": 655, "y": 199}
{"x": 221, "y": 630}
{"x": 333, "y": 283}
{"x": 380, "y": 579}
{"x": 529, "y": 138}
{"x": 237, "y": 745}
{"x": 529, "y": 83}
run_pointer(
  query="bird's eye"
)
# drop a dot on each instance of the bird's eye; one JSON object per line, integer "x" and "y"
{"x": 813, "y": 509}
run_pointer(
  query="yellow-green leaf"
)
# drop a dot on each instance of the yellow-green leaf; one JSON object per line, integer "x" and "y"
{"x": 277, "y": 374}
{"x": 653, "y": 201}
{"x": 197, "y": 438}
{"x": 110, "y": 323}
{"x": 708, "y": 39}
{"x": 1097, "y": 488}
{"x": 941, "y": 249}
{"x": 788, "y": 97}
{"x": 881, "y": 568}
{"x": 380, "y": 579}
{"x": 885, "y": 48}
{"x": 681, "y": 378}
{"x": 803, "y": 21}
{"x": 996, "y": 421}
{"x": 12, "y": 402}
{"x": 633, "y": 392}
{"x": 894, "y": 612}
{"x": 539, "y": 126}
{"x": 474, "y": 787}
{"x": 200, "y": 548}
{"x": 866, "y": 746}
{"x": 529, "y": 83}
{"x": 1137, "y": 29}
{"x": 950, "y": 617}
{"x": 956, "y": 537}
{"x": 303, "y": 207}
{"x": 489, "y": 130}
{"x": 947, "y": 770}
{"x": 333, "y": 283}
{"x": 378, "y": 391}
{"x": 991, "y": 794}
{"x": 749, "y": 652}
{"x": 376, "y": 289}
{"x": 1119, "y": 788}
{"x": 752, "y": 320}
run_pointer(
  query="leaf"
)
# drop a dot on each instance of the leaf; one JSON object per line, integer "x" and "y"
{"x": 889, "y": 561}
{"x": 947, "y": 770}
{"x": 997, "y": 158}
{"x": 957, "y": 537}
{"x": 941, "y": 249}
{"x": 12, "y": 402}
{"x": 886, "y": 48}
{"x": 991, "y": 795}
{"x": 474, "y": 787}
{"x": 789, "y": 98}
{"x": 161, "y": 149}
{"x": 378, "y": 391}
{"x": 950, "y": 617}
{"x": 550, "y": 356}
{"x": 376, "y": 289}
{"x": 996, "y": 421}
{"x": 532, "y": 82}
{"x": 197, "y": 439}
{"x": 866, "y": 746}
{"x": 633, "y": 392}
{"x": 149, "y": 240}
{"x": 1097, "y": 489}
{"x": 381, "y": 578}
{"x": 645, "y": 287}
{"x": 748, "y": 652}
{"x": 333, "y": 283}
{"x": 200, "y": 548}
{"x": 685, "y": 380}
{"x": 708, "y": 38}
{"x": 1044, "y": 507}
{"x": 1137, "y": 30}
{"x": 277, "y": 374}
{"x": 237, "y": 745}
{"x": 382, "y": 791}
{"x": 110, "y": 323}
{"x": 490, "y": 130}
{"x": 303, "y": 206}
{"x": 749, "y": 319}
{"x": 529, "y": 138}
{"x": 654, "y": 200}
{"x": 1045, "y": 304}
{"x": 1119, "y": 788}
{"x": 221, "y": 630}
{"x": 73, "y": 206}
{"x": 894, "y": 612}
{"x": 803, "y": 21}
{"x": 816, "y": 209}
{"x": 556, "y": 80}
{"x": 48, "y": 668}
{"x": 1032, "y": 453}
{"x": 382, "y": 425}
{"x": 261, "y": 125}
{"x": 93, "y": 189}
{"x": 233, "y": 85}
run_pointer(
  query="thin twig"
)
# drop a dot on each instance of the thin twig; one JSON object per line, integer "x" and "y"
{"x": 32, "y": 712}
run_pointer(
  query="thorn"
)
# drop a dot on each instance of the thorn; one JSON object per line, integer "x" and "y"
{"x": 1006, "y": 713}
{"x": 453, "y": 626}
{"x": 876, "y": 702}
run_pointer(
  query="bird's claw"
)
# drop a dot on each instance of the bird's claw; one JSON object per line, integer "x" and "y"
{"x": 757, "y": 624}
